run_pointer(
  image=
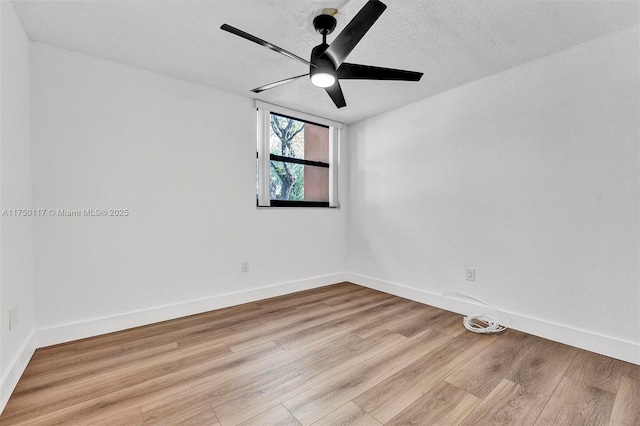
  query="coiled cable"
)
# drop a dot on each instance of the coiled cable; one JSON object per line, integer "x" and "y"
{"x": 481, "y": 323}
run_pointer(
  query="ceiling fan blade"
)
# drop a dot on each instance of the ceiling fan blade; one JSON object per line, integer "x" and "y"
{"x": 344, "y": 43}
{"x": 366, "y": 72}
{"x": 261, "y": 42}
{"x": 335, "y": 92}
{"x": 277, "y": 83}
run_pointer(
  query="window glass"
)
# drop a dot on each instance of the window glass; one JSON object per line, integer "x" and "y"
{"x": 298, "y": 182}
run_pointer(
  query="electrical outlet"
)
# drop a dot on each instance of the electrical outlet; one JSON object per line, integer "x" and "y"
{"x": 13, "y": 317}
{"x": 470, "y": 274}
{"x": 244, "y": 266}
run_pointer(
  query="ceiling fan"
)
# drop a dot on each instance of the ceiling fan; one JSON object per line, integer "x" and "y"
{"x": 326, "y": 65}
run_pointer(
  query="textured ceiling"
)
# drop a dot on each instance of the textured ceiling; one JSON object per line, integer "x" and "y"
{"x": 452, "y": 42}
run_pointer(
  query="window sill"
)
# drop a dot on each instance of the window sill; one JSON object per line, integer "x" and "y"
{"x": 304, "y": 204}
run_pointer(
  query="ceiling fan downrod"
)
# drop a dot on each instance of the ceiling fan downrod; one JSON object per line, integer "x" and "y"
{"x": 323, "y": 71}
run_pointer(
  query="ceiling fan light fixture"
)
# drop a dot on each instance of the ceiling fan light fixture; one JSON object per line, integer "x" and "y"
{"x": 323, "y": 79}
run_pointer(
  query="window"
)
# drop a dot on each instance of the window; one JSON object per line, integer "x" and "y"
{"x": 297, "y": 159}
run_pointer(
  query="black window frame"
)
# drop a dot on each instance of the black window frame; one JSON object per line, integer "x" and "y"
{"x": 293, "y": 160}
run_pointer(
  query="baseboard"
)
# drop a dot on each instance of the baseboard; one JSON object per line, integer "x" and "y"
{"x": 604, "y": 345}
{"x": 94, "y": 327}
{"x": 16, "y": 368}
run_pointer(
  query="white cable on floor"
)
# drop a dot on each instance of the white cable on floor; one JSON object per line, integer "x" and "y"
{"x": 474, "y": 322}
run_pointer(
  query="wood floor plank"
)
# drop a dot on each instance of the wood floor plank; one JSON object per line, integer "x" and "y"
{"x": 343, "y": 298}
{"x": 318, "y": 314}
{"x": 55, "y": 350}
{"x": 92, "y": 407}
{"x": 388, "y": 398}
{"x": 173, "y": 408}
{"x": 93, "y": 368}
{"x": 175, "y": 414}
{"x": 212, "y": 348}
{"x": 241, "y": 384}
{"x": 307, "y": 297}
{"x": 258, "y": 323}
{"x": 131, "y": 417}
{"x": 276, "y": 416}
{"x": 53, "y": 364}
{"x": 222, "y": 317}
{"x": 114, "y": 371}
{"x": 596, "y": 370}
{"x": 433, "y": 318}
{"x": 51, "y": 354}
{"x": 348, "y": 415}
{"x": 318, "y": 293}
{"x": 444, "y": 404}
{"x": 248, "y": 395}
{"x": 391, "y": 319}
{"x": 577, "y": 403}
{"x": 631, "y": 371}
{"x": 345, "y": 322}
{"x": 312, "y": 404}
{"x": 626, "y": 409}
{"x": 241, "y": 341}
{"x": 493, "y": 364}
{"x": 508, "y": 403}
{"x": 83, "y": 388}
{"x": 384, "y": 313}
{"x": 543, "y": 366}
{"x": 214, "y": 330}
{"x": 418, "y": 323}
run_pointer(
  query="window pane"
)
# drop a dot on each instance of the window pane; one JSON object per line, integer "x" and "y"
{"x": 297, "y": 182}
{"x": 287, "y": 181}
{"x": 316, "y": 143}
{"x": 286, "y": 136}
{"x": 294, "y": 138}
{"x": 316, "y": 183}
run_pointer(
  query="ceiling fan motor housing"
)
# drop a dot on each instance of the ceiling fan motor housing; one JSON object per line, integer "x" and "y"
{"x": 322, "y": 64}
{"x": 324, "y": 24}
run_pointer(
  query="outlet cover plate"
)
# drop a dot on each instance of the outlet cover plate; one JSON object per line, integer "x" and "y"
{"x": 470, "y": 274}
{"x": 13, "y": 317}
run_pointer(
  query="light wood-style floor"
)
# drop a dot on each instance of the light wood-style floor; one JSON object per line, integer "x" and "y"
{"x": 338, "y": 355}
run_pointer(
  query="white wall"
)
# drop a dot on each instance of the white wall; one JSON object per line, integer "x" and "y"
{"x": 16, "y": 262}
{"x": 531, "y": 176}
{"x": 181, "y": 158}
